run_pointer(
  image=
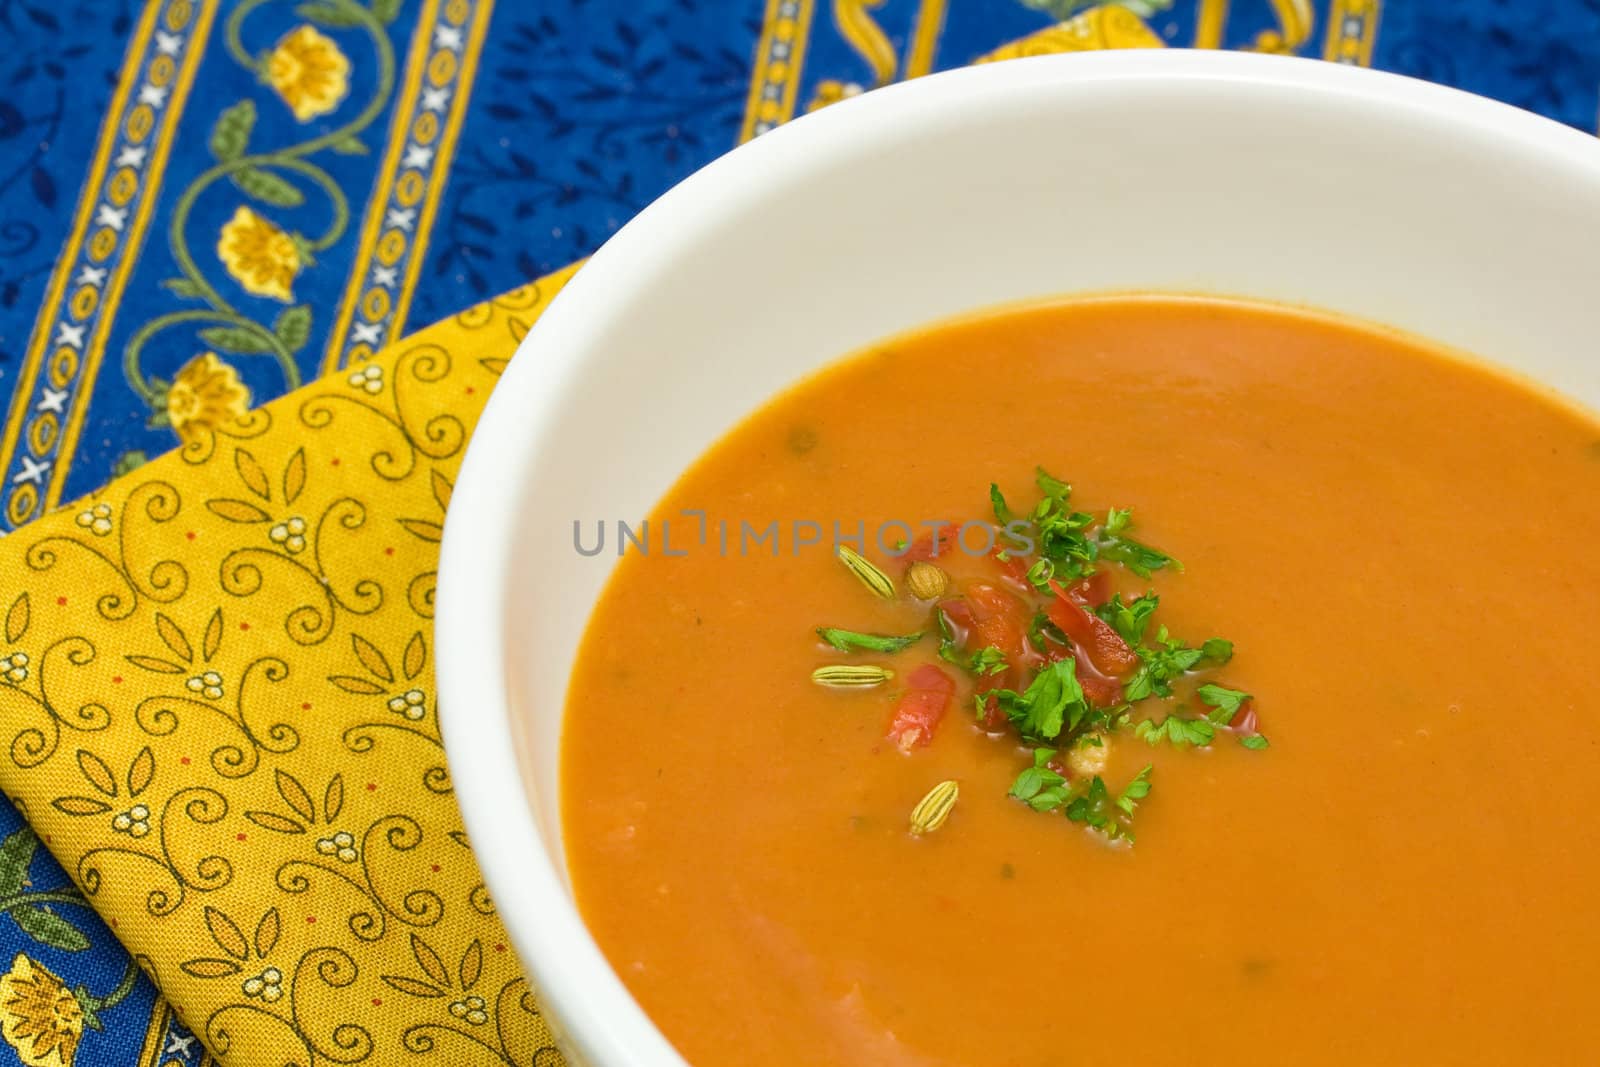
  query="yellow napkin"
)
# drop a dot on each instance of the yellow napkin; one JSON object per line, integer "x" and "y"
{"x": 219, "y": 713}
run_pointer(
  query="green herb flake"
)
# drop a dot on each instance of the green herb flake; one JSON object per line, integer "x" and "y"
{"x": 1002, "y": 513}
{"x": 1132, "y": 619}
{"x": 1113, "y": 544}
{"x": 1223, "y": 700}
{"x": 1053, "y": 701}
{"x": 1176, "y": 730}
{"x": 1167, "y": 660}
{"x": 1092, "y": 808}
{"x": 1052, "y": 487}
{"x": 949, "y": 648}
{"x": 1254, "y": 742}
{"x": 852, "y": 641}
{"x": 988, "y": 661}
{"x": 1095, "y": 808}
{"x": 1137, "y": 556}
{"x": 1135, "y": 791}
{"x": 1038, "y": 786}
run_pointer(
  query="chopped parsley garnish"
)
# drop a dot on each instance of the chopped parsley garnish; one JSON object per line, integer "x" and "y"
{"x": 1052, "y": 702}
{"x": 1095, "y": 807}
{"x": 1176, "y": 729}
{"x": 997, "y": 500}
{"x": 949, "y": 646}
{"x": 1225, "y": 701}
{"x": 1040, "y": 573}
{"x": 1169, "y": 659}
{"x": 1137, "y": 556}
{"x": 1050, "y": 486}
{"x": 851, "y": 641}
{"x": 1060, "y": 531}
{"x": 1135, "y": 791}
{"x": 1130, "y": 620}
{"x": 1043, "y": 614}
{"x": 1044, "y": 789}
{"x": 988, "y": 661}
{"x": 1224, "y": 707}
{"x": 1039, "y": 787}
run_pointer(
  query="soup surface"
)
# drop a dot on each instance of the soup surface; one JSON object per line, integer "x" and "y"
{"x": 1401, "y": 546}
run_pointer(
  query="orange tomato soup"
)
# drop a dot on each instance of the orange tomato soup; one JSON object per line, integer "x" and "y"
{"x": 1402, "y": 547}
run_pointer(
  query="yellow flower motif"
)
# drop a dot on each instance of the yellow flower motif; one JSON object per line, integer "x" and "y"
{"x": 258, "y": 255}
{"x": 206, "y": 394}
{"x": 39, "y": 1016}
{"x": 309, "y": 72}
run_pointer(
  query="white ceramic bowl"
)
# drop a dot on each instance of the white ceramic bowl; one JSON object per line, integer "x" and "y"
{"x": 1385, "y": 198}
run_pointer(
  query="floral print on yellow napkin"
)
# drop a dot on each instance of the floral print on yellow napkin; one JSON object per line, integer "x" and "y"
{"x": 217, "y": 709}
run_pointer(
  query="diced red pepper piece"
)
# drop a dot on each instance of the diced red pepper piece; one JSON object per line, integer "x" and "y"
{"x": 1091, "y": 591}
{"x": 963, "y": 621}
{"x": 1107, "y": 651}
{"x": 1100, "y": 691}
{"x": 917, "y": 715}
{"x": 929, "y": 547}
{"x": 1001, "y": 619}
{"x": 997, "y": 619}
{"x": 959, "y": 612}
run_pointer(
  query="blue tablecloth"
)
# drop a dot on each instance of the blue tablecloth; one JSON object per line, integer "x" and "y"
{"x": 418, "y": 161}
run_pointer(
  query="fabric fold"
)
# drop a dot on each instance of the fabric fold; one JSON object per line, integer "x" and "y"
{"x": 219, "y": 714}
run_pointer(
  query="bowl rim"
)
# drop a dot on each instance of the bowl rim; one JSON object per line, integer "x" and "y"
{"x": 587, "y": 1001}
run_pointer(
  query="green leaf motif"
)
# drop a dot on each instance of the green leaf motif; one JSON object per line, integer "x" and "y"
{"x": 268, "y": 187}
{"x": 336, "y": 13}
{"x": 350, "y": 146}
{"x": 133, "y": 460}
{"x": 385, "y": 10}
{"x": 236, "y": 339}
{"x": 293, "y": 327}
{"x": 16, "y": 853}
{"x": 91, "y": 1006}
{"x": 231, "y": 135}
{"x": 48, "y": 928}
{"x": 182, "y": 287}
